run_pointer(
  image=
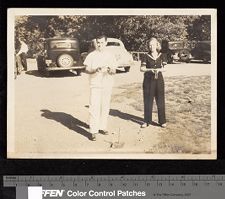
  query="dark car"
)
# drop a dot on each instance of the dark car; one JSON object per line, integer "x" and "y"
{"x": 176, "y": 51}
{"x": 60, "y": 54}
{"x": 202, "y": 51}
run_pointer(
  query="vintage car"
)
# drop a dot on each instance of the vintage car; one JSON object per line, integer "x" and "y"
{"x": 60, "y": 54}
{"x": 202, "y": 51}
{"x": 115, "y": 46}
{"x": 176, "y": 51}
{"x": 123, "y": 57}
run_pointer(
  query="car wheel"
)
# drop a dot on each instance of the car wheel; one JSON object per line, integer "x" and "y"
{"x": 78, "y": 72}
{"x": 65, "y": 60}
{"x": 184, "y": 55}
{"x": 206, "y": 60}
{"x": 188, "y": 61}
{"x": 127, "y": 69}
{"x": 47, "y": 73}
{"x": 40, "y": 63}
{"x": 170, "y": 58}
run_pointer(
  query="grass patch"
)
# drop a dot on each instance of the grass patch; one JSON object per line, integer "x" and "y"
{"x": 188, "y": 112}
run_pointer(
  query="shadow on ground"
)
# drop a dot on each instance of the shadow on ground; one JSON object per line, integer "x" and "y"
{"x": 67, "y": 120}
{"x": 126, "y": 116}
{"x": 58, "y": 74}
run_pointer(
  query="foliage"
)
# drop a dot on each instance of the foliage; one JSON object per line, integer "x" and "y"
{"x": 137, "y": 30}
{"x": 200, "y": 29}
{"x": 134, "y": 31}
{"x": 27, "y": 28}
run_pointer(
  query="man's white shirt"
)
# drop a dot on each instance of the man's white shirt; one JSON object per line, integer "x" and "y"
{"x": 101, "y": 59}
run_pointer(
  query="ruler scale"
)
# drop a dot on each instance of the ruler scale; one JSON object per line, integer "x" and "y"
{"x": 121, "y": 186}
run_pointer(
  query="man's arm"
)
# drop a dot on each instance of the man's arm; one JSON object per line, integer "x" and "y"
{"x": 18, "y": 53}
{"x": 111, "y": 71}
{"x": 89, "y": 70}
{"x": 88, "y": 63}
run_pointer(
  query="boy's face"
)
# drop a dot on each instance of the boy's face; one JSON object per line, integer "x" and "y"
{"x": 101, "y": 43}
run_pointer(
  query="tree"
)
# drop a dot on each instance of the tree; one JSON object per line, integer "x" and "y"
{"x": 134, "y": 31}
{"x": 27, "y": 28}
{"x": 200, "y": 29}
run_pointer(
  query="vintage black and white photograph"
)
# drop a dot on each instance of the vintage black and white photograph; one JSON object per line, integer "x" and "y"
{"x": 111, "y": 83}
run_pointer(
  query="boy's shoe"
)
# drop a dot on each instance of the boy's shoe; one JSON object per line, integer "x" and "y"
{"x": 103, "y": 132}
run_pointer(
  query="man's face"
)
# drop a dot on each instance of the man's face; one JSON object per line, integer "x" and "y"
{"x": 101, "y": 43}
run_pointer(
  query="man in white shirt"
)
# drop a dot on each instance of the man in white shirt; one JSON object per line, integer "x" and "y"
{"x": 101, "y": 66}
{"x": 22, "y": 55}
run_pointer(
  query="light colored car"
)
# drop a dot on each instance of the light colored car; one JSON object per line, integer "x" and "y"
{"x": 115, "y": 46}
{"x": 123, "y": 57}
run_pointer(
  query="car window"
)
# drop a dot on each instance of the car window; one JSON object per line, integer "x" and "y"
{"x": 113, "y": 44}
{"x": 176, "y": 45}
{"x": 62, "y": 44}
{"x": 205, "y": 46}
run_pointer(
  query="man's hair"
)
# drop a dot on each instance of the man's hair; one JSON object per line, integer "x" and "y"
{"x": 101, "y": 36}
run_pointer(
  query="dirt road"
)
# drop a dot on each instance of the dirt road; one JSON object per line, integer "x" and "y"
{"x": 51, "y": 115}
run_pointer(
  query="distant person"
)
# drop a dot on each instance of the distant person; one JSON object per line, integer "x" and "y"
{"x": 152, "y": 65}
{"x": 101, "y": 66}
{"x": 22, "y": 55}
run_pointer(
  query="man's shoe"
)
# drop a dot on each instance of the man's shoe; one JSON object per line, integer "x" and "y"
{"x": 93, "y": 137}
{"x": 103, "y": 132}
{"x": 144, "y": 125}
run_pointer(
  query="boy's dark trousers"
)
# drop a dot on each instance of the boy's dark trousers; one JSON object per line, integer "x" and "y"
{"x": 154, "y": 88}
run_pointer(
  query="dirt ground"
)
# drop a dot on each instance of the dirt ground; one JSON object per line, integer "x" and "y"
{"x": 51, "y": 116}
